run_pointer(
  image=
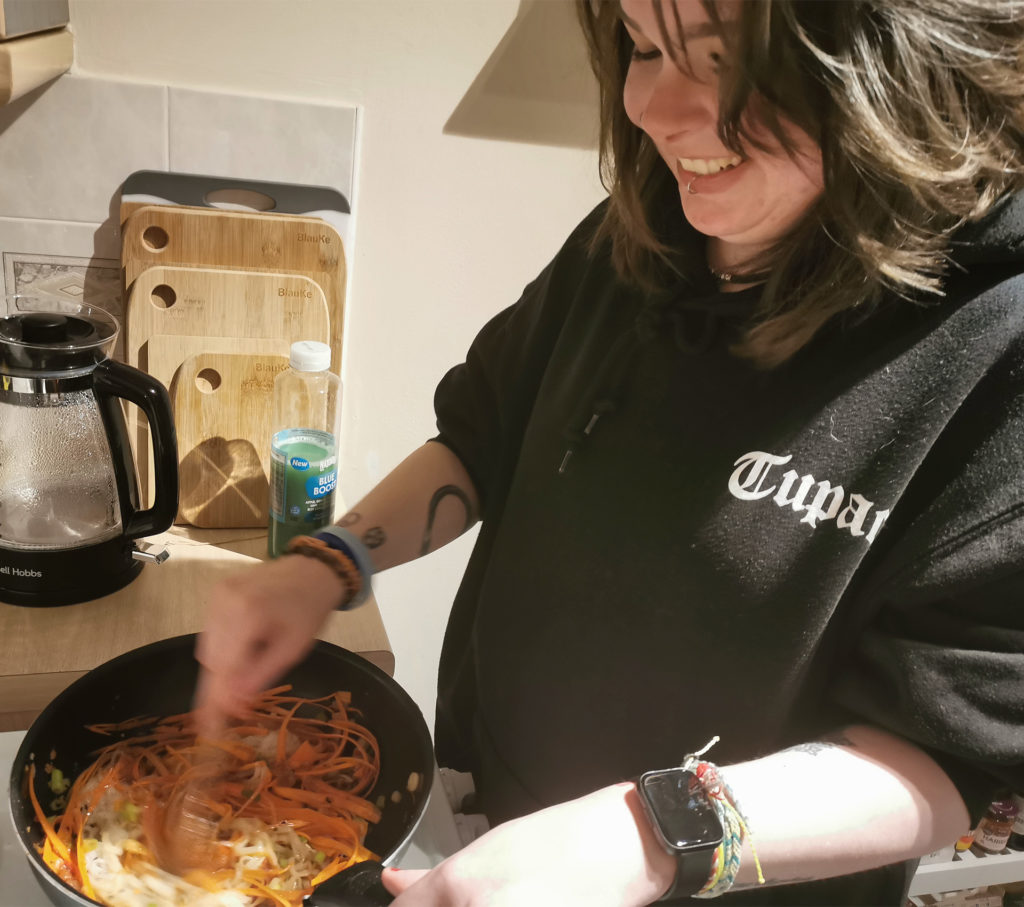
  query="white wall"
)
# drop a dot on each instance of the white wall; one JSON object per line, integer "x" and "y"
{"x": 448, "y": 229}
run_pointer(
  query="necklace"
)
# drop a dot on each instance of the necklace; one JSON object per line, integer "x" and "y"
{"x": 729, "y": 277}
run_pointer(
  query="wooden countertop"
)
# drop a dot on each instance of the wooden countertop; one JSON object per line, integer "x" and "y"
{"x": 42, "y": 650}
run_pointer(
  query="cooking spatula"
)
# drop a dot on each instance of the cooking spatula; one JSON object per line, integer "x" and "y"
{"x": 357, "y": 886}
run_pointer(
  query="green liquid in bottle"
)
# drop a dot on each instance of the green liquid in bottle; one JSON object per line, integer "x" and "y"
{"x": 303, "y": 475}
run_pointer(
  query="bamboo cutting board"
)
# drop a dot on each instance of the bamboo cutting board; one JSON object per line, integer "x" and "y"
{"x": 222, "y": 303}
{"x": 210, "y": 309}
{"x": 165, "y": 354}
{"x": 196, "y": 190}
{"x": 222, "y": 408}
{"x": 210, "y": 238}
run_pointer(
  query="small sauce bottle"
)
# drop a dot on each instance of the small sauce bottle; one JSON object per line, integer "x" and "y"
{"x": 1016, "y": 841}
{"x": 963, "y": 843}
{"x": 995, "y": 827}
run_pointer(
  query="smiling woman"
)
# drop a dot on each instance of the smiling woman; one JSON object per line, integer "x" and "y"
{"x": 855, "y": 181}
{"x": 749, "y": 460}
{"x": 672, "y": 93}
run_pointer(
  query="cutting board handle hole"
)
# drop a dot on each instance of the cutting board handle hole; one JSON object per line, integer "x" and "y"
{"x": 155, "y": 238}
{"x": 163, "y": 296}
{"x": 208, "y": 380}
{"x": 239, "y": 200}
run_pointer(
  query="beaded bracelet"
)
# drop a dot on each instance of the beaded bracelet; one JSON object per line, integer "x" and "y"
{"x": 343, "y": 565}
{"x": 725, "y": 864}
{"x": 348, "y": 543}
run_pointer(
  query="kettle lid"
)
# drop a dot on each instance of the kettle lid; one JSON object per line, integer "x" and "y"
{"x": 55, "y": 336}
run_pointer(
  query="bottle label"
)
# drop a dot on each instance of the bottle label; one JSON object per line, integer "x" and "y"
{"x": 992, "y": 836}
{"x": 1018, "y": 823}
{"x": 303, "y": 476}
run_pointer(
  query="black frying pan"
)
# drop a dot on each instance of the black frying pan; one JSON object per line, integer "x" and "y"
{"x": 159, "y": 679}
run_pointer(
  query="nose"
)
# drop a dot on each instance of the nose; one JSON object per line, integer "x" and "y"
{"x": 678, "y": 104}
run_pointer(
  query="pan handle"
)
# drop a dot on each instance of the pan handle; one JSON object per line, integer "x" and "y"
{"x": 357, "y": 886}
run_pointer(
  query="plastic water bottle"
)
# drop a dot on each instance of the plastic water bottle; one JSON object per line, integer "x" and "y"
{"x": 303, "y": 446}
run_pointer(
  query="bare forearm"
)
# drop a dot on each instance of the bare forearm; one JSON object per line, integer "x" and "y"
{"x": 422, "y": 504}
{"x": 858, "y": 801}
{"x": 820, "y": 810}
{"x": 862, "y": 799}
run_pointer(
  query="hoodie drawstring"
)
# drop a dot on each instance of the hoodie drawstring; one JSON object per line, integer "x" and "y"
{"x": 694, "y": 324}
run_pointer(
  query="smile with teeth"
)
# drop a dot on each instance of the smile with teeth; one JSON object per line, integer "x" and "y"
{"x": 705, "y": 165}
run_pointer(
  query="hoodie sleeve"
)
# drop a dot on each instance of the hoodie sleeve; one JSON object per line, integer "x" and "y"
{"x": 941, "y": 661}
{"x": 949, "y": 675}
{"x": 483, "y": 404}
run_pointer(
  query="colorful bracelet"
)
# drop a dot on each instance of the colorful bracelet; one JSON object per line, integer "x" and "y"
{"x": 725, "y": 865}
{"x": 341, "y": 563}
{"x": 341, "y": 539}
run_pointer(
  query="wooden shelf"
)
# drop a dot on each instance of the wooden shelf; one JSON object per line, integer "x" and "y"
{"x": 31, "y": 61}
{"x": 970, "y": 871}
{"x": 42, "y": 650}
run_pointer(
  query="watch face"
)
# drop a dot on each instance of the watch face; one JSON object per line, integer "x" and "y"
{"x": 681, "y": 809}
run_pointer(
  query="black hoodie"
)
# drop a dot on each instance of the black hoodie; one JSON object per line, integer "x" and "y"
{"x": 677, "y": 544}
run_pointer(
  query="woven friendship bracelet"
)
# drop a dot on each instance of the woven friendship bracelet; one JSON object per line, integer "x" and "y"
{"x": 341, "y": 539}
{"x": 725, "y": 865}
{"x": 343, "y": 565}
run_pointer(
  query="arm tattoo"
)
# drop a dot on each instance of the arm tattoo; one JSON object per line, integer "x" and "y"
{"x": 372, "y": 538}
{"x": 816, "y": 747}
{"x": 811, "y": 748}
{"x": 443, "y": 492}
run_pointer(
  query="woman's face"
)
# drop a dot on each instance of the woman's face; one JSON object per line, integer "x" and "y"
{"x": 747, "y": 201}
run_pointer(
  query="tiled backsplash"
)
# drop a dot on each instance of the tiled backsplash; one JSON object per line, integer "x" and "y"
{"x": 66, "y": 148}
{"x": 261, "y": 139}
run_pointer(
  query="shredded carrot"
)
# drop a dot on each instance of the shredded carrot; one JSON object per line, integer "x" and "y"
{"x": 87, "y": 888}
{"x": 304, "y": 754}
{"x": 309, "y": 763}
{"x": 55, "y": 842}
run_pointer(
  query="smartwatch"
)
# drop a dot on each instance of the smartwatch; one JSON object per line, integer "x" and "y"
{"x": 686, "y": 825}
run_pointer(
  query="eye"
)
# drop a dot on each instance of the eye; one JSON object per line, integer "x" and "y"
{"x": 644, "y": 55}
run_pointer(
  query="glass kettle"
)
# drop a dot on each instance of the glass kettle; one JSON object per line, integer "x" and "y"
{"x": 69, "y": 499}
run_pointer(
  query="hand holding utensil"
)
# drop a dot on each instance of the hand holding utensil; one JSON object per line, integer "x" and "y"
{"x": 187, "y": 836}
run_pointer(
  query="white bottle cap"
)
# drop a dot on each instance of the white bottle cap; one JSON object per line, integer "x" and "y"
{"x": 310, "y": 356}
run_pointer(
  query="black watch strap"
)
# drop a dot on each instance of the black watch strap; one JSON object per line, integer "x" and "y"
{"x": 685, "y": 823}
{"x": 692, "y": 873}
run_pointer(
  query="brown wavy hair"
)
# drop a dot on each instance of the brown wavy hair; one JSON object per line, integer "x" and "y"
{"x": 917, "y": 105}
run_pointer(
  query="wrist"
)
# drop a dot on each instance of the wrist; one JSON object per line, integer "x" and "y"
{"x": 319, "y": 581}
{"x": 344, "y": 555}
{"x": 696, "y": 820}
{"x": 349, "y": 544}
{"x": 659, "y": 867}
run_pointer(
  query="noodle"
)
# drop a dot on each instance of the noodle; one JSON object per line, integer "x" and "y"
{"x": 287, "y": 794}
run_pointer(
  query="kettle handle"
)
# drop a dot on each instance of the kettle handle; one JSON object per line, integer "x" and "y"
{"x": 112, "y": 381}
